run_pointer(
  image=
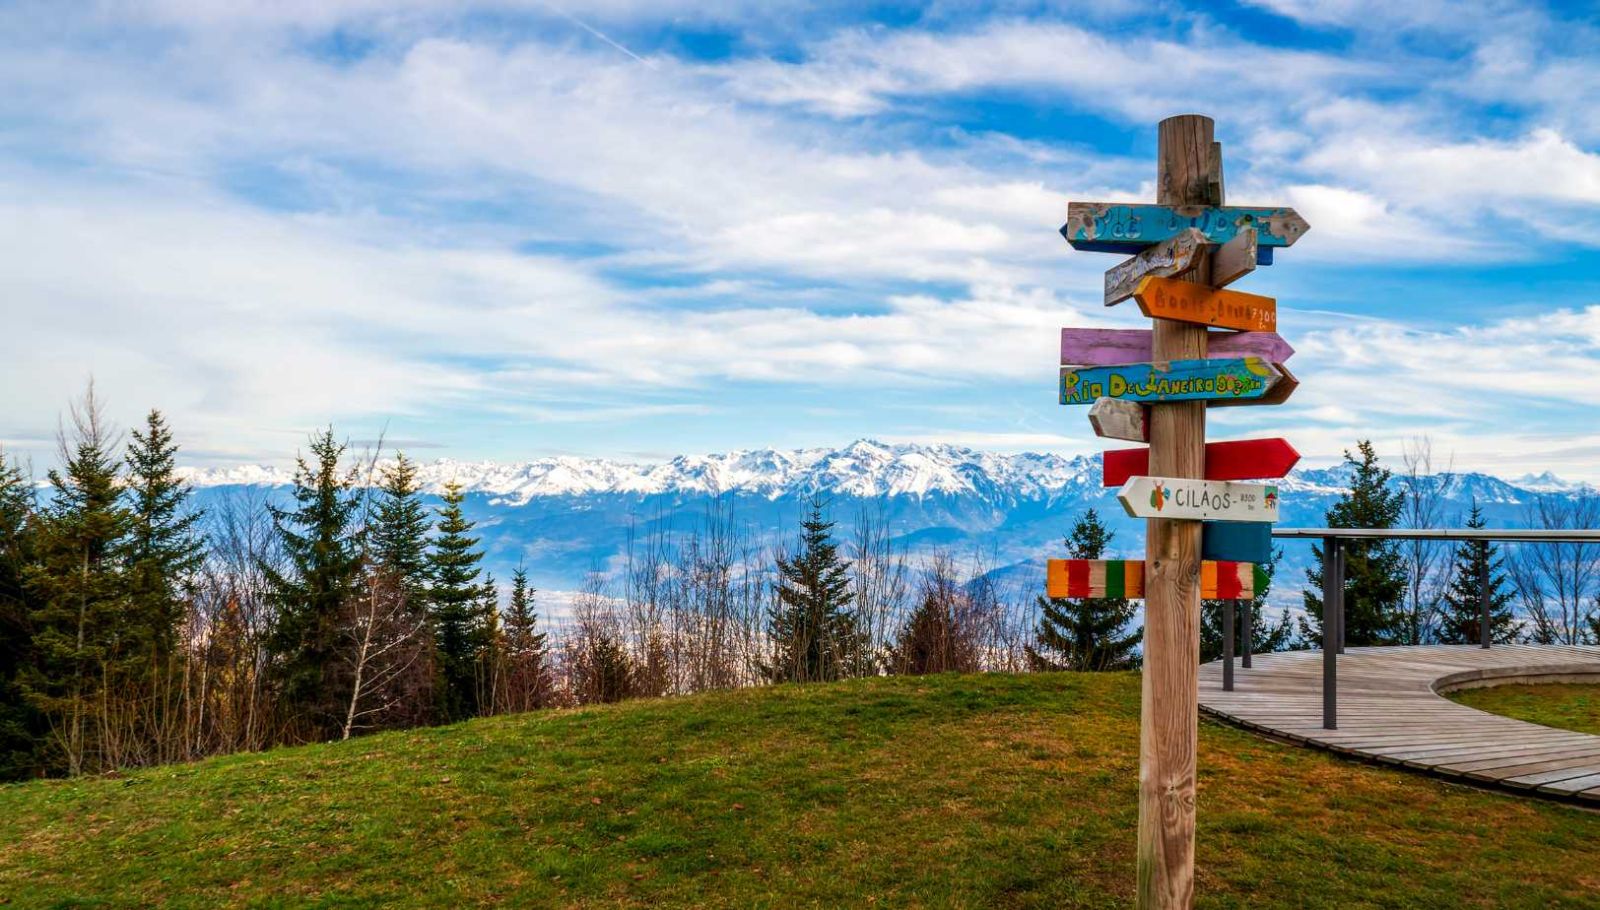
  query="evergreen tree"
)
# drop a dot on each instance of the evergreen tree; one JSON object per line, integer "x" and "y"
{"x": 1265, "y": 637}
{"x": 1085, "y": 633}
{"x": 1463, "y": 602}
{"x": 322, "y": 552}
{"x": 814, "y": 630}
{"x": 19, "y": 723}
{"x": 79, "y": 596}
{"x": 163, "y": 549}
{"x": 526, "y": 651}
{"x": 1375, "y": 576}
{"x": 936, "y": 637}
{"x": 456, "y": 602}
{"x": 400, "y": 529}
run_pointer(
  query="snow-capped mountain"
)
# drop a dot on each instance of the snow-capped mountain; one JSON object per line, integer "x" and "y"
{"x": 564, "y": 517}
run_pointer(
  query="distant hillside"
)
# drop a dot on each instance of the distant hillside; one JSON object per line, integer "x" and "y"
{"x": 565, "y": 516}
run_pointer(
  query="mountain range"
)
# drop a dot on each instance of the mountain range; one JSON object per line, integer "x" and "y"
{"x": 565, "y": 516}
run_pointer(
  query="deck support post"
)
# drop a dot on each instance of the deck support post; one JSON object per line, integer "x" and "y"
{"x": 1247, "y": 638}
{"x": 1332, "y": 628}
{"x": 1483, "y": 601}
{"x": 1228, "y": 606}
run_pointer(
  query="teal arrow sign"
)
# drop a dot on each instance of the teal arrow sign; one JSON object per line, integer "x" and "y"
{"x": 1107, "y": 227}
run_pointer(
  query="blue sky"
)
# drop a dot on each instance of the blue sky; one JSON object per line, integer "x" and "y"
{"x": 633, "y": 229}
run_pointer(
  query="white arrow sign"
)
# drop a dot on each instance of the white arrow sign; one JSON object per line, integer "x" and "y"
{"x": 1201, "y": 500}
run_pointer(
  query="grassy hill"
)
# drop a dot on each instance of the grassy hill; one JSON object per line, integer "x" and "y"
{"x": 1568, "y": 706}
{"x": 966, "y": 791}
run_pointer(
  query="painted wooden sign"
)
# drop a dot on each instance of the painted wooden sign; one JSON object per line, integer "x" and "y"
{"x": 1199, "y": 500}
{"x": 1169, "y": 258}
{"x": 1234, "y": 259}
{"x": 1278, "y": 394}
{"x": 1113, "y": 419}
{"x": 1107, "y": 227}
{"x": 1219, "y": 579}
{"x": 1170, "y": 380}
{"x": 1240, "y": 541}
{"x": 1241, "y": 459}
{"x": 1110, "y": 347}
{"x": 1165, "y": 298}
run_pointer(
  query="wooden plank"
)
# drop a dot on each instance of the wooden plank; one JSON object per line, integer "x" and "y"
{"x": 1238, "y": 541}
{"x": 1239, "y": 459}
{"x": 1113, "y": 419}
{"x": 1111, "y": 227}
{"x": 1222, "y": 379}
{"x": 1234, "y": 259}
{"x": 1199, "y": 500}
{"x": 1166, "y": 298}
{"x": 1111, "y": 347}
{"x": 1171, "y": 257}
{"x": 1219, "y": 579}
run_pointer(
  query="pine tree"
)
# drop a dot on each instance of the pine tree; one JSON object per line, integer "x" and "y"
{"x": 163, "y": 549}
{"x": 1085, "y": 633}
{"x": 813, "y": 629}
{"x": 456, "y": 603}
{"x": 937, "y": 637}
{"x": 1463, "y": 602}
{"x": 1374, "y": 569}
{"x": 20, "y": 731}
{"x": 399, "y": 534}
{"x": 321, "y": 548}
{"x": 79, "y": 596}
{"x": 526, "y": 652}
{"x": 1264, "y": 638}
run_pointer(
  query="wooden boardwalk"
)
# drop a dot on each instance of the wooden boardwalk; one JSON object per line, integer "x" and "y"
{"x": 1390, "y": 712}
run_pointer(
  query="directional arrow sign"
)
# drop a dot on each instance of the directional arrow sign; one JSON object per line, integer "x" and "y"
{"x": 1170, "y": 380}
{"x": 1243, "y": 459}
{"x": 1166, "y": 298}
{"x": 1219, "y": 580}
{"x": 1234, "y": 259}
{"x": 1110, "y": 347}
{"x": 1113, "y": 419}
{"x": 1278, "y": 394}
{"x": 1173, "y": 256}
{"x": 1107, "y": 227}
{"x": 1242, "y": 541}
{"x": 1199, "y": 500}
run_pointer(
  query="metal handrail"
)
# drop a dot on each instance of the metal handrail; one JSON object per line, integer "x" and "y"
{"x": 1539, "y": 535}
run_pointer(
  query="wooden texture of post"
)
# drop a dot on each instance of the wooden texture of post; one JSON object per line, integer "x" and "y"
{"x": 1188, "y": 173}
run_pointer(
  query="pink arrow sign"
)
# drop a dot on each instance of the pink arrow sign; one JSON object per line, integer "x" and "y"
{"x": 1114, "y": 347}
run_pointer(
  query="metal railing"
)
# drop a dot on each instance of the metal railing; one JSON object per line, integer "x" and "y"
{"x": 1333, "y": 612}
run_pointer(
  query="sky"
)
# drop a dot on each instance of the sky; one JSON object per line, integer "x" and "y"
{"x": 638, "y": 228}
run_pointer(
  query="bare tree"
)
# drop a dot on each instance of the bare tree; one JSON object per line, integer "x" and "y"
{"x": 1424, "y": 492}
{"x": 880, "y": 577}
{"x": 1559, "y": 582}
{"x": 384, "y": 641}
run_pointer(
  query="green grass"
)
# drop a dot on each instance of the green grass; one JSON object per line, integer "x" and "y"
{"x": 964, "y": 791}
{"x": 1571, "y": 707}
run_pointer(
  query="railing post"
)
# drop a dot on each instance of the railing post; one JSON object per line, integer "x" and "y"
{"x": 1344, "y": 614}
{"x": 1484, "y": 636}
{"x": 1332, "y": 607}
{"x": 1228, "y": 606}
{"x": 1247, "y": 642}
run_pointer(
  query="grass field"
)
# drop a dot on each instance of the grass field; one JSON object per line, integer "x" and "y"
{"x": 1571, "y": 707}
{"x": 964, "y": 791}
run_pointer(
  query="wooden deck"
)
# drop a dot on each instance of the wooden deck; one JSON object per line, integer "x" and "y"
{"x": 1390, "y": 712}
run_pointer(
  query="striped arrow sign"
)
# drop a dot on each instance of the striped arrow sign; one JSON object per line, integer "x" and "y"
{"x": 1107, "y": 227}
{"x": 1171, "y": 380}
{"x": 1243, "y": 459}
{"x": 1110, "y": 347}
{"x": 1166, "y": 298}
{"x": 1219, "y": 579}
{"x": 1199, "y": 500}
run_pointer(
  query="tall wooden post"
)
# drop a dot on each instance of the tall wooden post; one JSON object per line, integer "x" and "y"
{"x": 1188, "y": 173}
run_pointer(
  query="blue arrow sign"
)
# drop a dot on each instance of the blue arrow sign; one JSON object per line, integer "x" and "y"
{"x": 1237, "y": 541}
{"x": 1226, "y": 379}
{"x": 1105, "y": 227}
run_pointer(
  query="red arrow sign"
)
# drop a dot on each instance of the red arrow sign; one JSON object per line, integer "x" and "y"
{"x": 1244, "y": 459}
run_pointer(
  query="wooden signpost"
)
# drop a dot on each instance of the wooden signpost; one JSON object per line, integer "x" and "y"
{"x": 1168, "y": 298}
{"x": 1243, "y": 459}
{"x": 1108, "y": 227}
{"x": 1110, "y": 347}
{"x": 1173, "y": 256}
{"x": 1171, "y": 380}
{"x": 1199, "y": 500}
{"x": 1158, "y": 388}
{"x": 1219, "y": 579}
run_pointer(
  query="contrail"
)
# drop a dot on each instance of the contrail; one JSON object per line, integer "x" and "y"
{"x": 597, "y": 33}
